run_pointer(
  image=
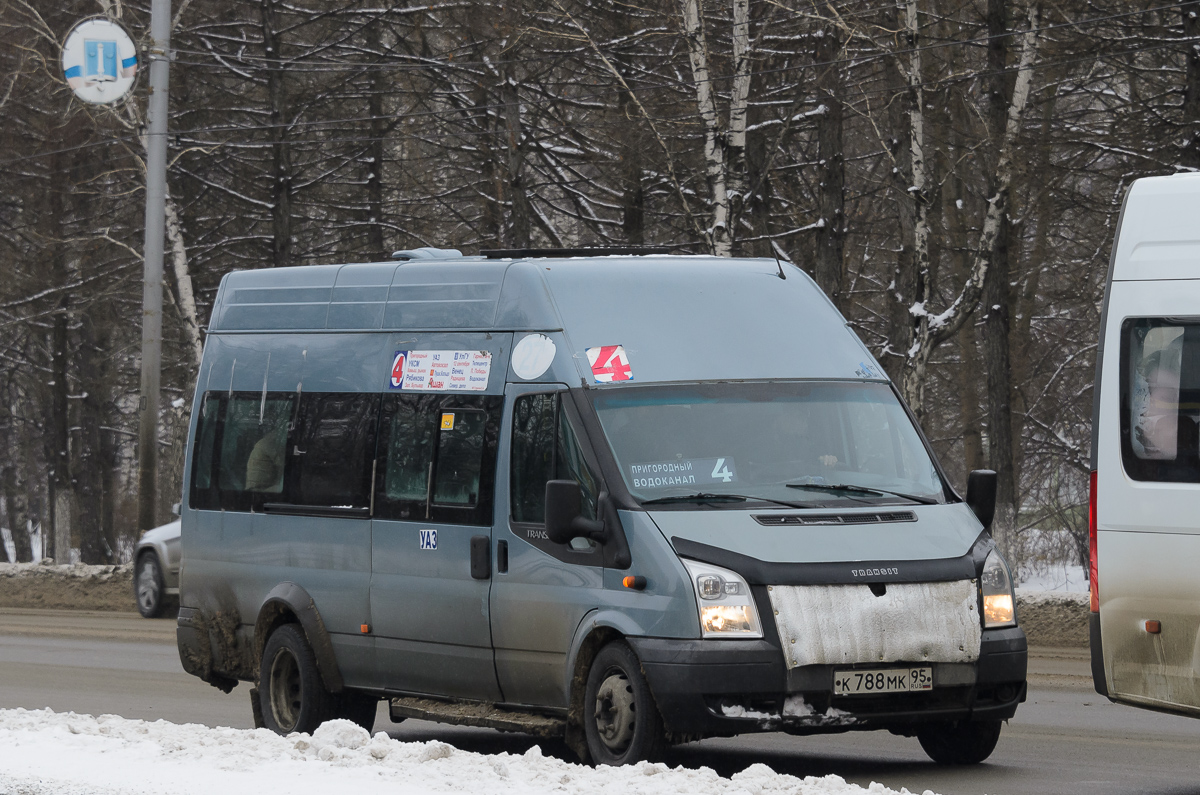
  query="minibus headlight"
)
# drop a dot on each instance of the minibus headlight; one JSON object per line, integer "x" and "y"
{"x": 996, "y": 586}
{"x": 726, "y": 606}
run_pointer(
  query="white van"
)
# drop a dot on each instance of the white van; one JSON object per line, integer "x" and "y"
{"x": 1145, "y": 479}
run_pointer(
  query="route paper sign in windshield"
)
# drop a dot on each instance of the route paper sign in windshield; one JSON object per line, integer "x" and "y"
{"x": 684, "y": 472}
{"x": 609, "y": 363}
{"x": 441, "y": 371}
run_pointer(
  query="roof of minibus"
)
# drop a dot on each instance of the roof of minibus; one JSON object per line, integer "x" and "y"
{"x": 1157, "y": 236}
{"x": 679, "y": 318}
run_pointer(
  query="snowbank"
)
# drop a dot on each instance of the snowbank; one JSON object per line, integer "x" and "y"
{"x": 44, "y": 751}
{"x": 1054, "y": 618}
{"x": 68, "y": 587}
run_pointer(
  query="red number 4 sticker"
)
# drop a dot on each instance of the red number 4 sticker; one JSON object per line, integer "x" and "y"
{"x": 609, "y": 363}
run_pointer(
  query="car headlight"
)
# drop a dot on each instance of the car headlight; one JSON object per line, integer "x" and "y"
{"x": 723, "y": 598}
{"x": 996, "y": 586}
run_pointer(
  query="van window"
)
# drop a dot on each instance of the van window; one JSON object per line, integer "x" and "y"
{"x": 206, "y": 432}
{"x": 437, "y": 458}
{"x": 1160, "y": 399}
{"x": 241, "y": 450}
{"x": 333, "y": 451}
{"x": 544, "y": 447}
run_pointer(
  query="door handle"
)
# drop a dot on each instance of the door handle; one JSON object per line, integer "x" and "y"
{"x": 481, "y": 564}
{"x": 502, "y": 557}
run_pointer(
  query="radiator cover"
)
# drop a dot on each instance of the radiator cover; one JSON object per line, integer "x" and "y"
{"x": 846, "y": 624}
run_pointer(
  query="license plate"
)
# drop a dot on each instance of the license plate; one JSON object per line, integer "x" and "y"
{"x": 884, "y": 680}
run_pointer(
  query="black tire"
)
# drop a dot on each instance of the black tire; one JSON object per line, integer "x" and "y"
{"x": 291, "y": 692}
{"x": 359, "y": 708}
{"x": 620, "y": 719}
{"x": 960, "y": 742}
{"x": 148, "y": 585}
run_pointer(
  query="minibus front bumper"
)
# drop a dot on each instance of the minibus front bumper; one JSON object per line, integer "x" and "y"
{"x": 709, "y": 688}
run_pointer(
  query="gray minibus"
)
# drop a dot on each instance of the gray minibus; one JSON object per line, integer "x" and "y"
{"x": 625, "y": 501}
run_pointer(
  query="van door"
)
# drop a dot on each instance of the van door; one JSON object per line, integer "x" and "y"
{"x": 434, "y": 492}
{"x": 542, "y": 590}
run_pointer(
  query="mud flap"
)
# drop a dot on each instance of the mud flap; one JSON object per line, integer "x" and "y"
{"x": 256, "y": 708}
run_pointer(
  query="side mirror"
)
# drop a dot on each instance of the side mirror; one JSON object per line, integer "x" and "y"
{"x": 981, "y": 495}
{"x": 564, "y": 506}
{"x": 176, "y": 509}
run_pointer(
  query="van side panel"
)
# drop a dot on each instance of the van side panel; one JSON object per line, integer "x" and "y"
{"x": 234, "y": 559}
{"x": 1148, "y": 536}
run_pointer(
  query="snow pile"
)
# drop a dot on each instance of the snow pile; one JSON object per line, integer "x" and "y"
{"x": 64, "y": 752}
{"x": 76, "y": 586}
{"x": 1054, "y": 618}
{"x": 71, "y": 571}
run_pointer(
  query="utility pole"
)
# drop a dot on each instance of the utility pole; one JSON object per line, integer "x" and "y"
{"x": 152, "y": 296}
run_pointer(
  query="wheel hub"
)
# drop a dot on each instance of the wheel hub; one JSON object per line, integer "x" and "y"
{"x": 146, "y": 585}
{"x": 616, "y": 712}
{"x": 286, "y": 695}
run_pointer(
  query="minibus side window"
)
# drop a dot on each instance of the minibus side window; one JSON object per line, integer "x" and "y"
{"x": 532, "y": 456}
{"x": 545, "y": 447}
{"x": 240, "y": 452}
{"x": 202, "y": 495}
{"x": 331, "y": 458}
{"x": 437, "y": 458}
{"x": 1160, "y": 399}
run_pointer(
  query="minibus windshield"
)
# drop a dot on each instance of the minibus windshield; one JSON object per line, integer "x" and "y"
{"x": 798, "y": 443}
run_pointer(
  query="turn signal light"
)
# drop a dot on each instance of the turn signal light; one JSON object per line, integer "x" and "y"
{"x": 1153, "y": 627}
{"x": 366, "y": 629}
{"x": 634, "y": 583}
{"x": 998, "y": 608}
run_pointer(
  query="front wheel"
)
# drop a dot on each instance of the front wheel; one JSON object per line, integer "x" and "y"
{"x": 148, "y": 586}
{"x": 620, "y": 719}
{"x": 291, "y": 693}
{"x": 960, "y": 742}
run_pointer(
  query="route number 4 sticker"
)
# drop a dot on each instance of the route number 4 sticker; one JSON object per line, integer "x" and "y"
{"x": 609, "y": 363}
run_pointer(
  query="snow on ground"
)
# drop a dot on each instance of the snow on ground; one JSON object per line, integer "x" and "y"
{"x": 47, "y": 752}
{"x": 1055, "y": 577}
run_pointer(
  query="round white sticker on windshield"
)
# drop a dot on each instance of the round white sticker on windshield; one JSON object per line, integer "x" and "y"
{"x": 533, "y": 356}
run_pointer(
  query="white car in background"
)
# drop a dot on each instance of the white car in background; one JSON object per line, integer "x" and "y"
{"x": 156, "y": 569}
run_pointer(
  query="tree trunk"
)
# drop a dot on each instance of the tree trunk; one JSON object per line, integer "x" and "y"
{"x": 718, "y": 232}
{"x": 996, "y": 297}
{"x": 932, "y": 331}
{"x": 739, "y": 97}
{"x": 281, "y": 187}
{"x": 186, "y": 304}
{"x": 519, "y": 224}
{"x": 831, "y": 191}
{"x": 375, "y": 108}
{"x": 1190, "y": 157}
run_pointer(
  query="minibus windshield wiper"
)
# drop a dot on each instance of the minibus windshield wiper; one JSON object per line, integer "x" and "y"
{"x": 862, "y": 490}
{"x": 709, "y": 497}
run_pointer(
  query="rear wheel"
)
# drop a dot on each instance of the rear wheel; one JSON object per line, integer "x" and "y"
{"x": 620, "y": 720}
{"x": 290, "y": 689}
{"x": 960, "y": 742}
{"x": 148, "y": 585}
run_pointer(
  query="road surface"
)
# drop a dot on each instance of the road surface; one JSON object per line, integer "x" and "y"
{"x": 1065, "y": 739}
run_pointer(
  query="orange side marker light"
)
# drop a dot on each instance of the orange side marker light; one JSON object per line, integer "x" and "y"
{"x": 1153, "y": 627}
{"x": 634, "y": 583}
{"x": 366, "y": 629}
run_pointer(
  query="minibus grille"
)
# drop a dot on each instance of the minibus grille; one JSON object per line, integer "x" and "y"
{"x": 784, "y": 519}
